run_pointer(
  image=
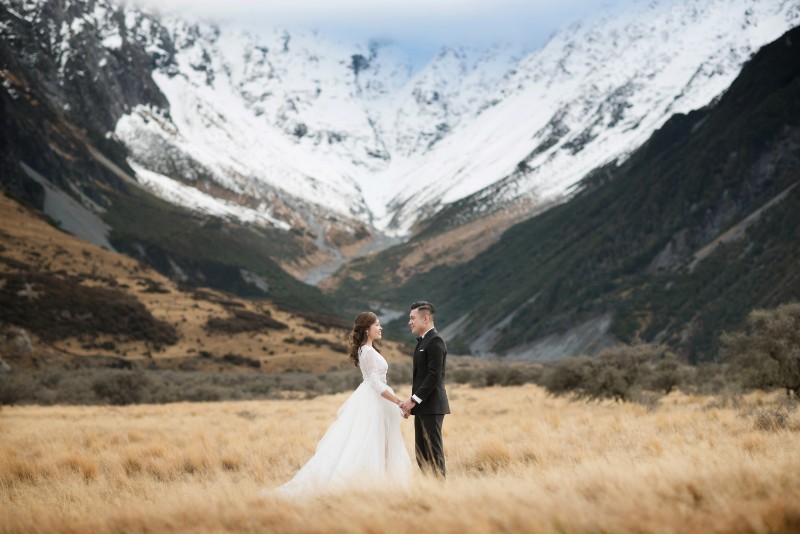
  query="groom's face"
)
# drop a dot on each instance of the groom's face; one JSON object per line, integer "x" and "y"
{"x": 418, "y": 322}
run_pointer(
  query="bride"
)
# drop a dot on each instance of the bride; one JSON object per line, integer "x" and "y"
{"x": 365, "y": 439}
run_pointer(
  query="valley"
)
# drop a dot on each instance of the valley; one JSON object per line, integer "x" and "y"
{"x": 564, "y": 191}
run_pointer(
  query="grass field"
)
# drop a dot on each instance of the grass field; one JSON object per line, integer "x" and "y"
{"x": 518, "y": 461}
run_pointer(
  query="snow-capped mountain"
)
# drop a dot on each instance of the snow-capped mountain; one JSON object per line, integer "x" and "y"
{"x": 256, "y": 117}
{"x": 283, "y": 127}
{"x": 357, "y": 132}
{"x": 595, "y": 92}
{"x": 296, "y": 113}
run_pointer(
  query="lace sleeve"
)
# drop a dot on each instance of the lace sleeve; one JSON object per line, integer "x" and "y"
{"x": 370, "y": 371}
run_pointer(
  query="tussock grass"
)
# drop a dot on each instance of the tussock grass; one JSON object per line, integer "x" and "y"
{"x": 518, "y": 460}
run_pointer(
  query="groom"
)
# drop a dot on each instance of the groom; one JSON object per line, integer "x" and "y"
{"x": 428, "y": 402}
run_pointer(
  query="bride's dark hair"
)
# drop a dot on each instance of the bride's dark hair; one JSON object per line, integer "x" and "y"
{"x": 359, "y": 335}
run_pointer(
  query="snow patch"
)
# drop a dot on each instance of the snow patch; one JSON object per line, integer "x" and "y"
{"x": 194, "y": 199}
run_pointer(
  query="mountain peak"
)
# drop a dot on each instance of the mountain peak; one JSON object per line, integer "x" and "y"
{"x": 353, "y": 130}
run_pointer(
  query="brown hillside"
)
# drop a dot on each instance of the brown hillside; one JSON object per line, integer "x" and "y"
{"x": 65, "y": 303}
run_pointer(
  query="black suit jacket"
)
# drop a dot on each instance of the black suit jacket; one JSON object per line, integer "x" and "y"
{"x": 428, "y": 381}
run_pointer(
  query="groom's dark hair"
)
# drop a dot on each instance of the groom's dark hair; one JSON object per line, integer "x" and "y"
{"x": 424, "y": 306}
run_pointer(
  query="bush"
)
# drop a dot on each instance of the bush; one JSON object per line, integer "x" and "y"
{"x": 707, "y": 379}
{"x": 460, "y": 376}
{"x": 121, "y": 388}
{"x": 400, "y": 373}
{"x": 616, "y": 373}
{"x": 89, "y": 386}
{"x": 665, "y": 376}
{"x": 237, "y": 359}
{"x": 244, "y": 321}
{"x": 766, "y": 353}
{"x": 204, "y": 394}
{"x": 508, "y": 375}
{"x": 14, "y": 387}
{"x": 68, "y": 308}
{"x": 567, "y": 375}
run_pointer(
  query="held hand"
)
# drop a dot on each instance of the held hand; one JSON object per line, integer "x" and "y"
{"x": 407, "y": 405}
{"x": 402, "y": 409}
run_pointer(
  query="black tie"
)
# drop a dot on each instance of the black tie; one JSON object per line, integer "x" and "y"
{"x": 419, "y": 340}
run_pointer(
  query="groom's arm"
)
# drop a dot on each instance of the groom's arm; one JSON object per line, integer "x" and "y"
{"x": 434, "y": 354}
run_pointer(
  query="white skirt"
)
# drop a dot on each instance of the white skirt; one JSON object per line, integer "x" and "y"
{"x": 364, "y": 444}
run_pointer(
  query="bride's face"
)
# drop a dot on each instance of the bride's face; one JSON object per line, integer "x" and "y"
{"x": 375, "y": 330}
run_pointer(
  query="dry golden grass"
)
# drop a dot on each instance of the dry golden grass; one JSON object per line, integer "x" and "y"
{"x": 518, "y": 461}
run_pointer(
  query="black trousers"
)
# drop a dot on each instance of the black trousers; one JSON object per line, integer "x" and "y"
{"x": 428, "y": 443}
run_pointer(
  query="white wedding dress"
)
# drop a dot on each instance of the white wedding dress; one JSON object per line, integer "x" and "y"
{"x": 364, "y": 443}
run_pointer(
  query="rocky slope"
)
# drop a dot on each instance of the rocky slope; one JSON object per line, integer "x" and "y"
{"x": 678, "y": 244}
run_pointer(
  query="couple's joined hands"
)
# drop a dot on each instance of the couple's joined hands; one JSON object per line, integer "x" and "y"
{"x": 406, "y": 407}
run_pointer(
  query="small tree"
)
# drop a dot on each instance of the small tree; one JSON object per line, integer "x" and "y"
{"x": 665, "y": 374}
{"x": 767, "y": 352}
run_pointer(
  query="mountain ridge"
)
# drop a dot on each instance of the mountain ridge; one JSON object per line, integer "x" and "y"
{"x": 622, "y": 259}
{"x": 230, "y": 159}
{"x": 285, "y": 121}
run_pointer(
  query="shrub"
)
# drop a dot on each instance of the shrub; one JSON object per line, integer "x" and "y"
{"x": 400, "y": 373}
{"x": 505, "y": 375}
{"x": 14, "y": 387}
{"x": 665, "y": 376}
{"x": 460, "y": 376}
{"x": 121, "y": 388}
{"x": 708, "y": 378}
{"x": 244, "y": 321}
{"x": 237, "y": 359}
{"x": 61, "y": 307}
{"x": 567, "y": 375}
{"x": 204, "y": 394}
{"x": 616, "y": 373}
{"x": 766, "y": 353}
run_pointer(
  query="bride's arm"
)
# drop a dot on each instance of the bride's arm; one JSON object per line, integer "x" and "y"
{"x": 388, "y": 396}
{"x": 369, "y": 370}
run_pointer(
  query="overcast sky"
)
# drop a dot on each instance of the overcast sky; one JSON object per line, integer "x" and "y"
{"x": 418, "y": 26}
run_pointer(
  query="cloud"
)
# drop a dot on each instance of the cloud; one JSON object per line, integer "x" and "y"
{"x": 381, "y": 14}
{"x": 305, "y": 9}
{"x": 421, "y": 25}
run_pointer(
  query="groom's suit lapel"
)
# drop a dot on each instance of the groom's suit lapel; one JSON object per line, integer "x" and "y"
{"x": 422, "y": 345}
